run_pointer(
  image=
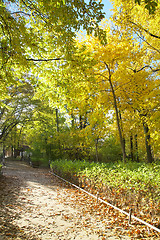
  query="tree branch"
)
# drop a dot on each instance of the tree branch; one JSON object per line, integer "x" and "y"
{"x": 7, "y": 129}
{"x": 44, "y": 60}
{"x": 147, "y": 66}
{"x": 145, "y": 30}
{"x": 20, "y": 12}
{"x": 35, "y": 9}
{"x": 143, "y": 39}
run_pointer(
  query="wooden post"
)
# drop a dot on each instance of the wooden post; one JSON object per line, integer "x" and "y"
{"x": 97, "y": 196}
{"x": 130, "y": 216}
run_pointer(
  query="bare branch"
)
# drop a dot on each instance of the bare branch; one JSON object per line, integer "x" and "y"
{"x": 20, "y": 12}
{"x": 147, "y": 66}
{"x": 143, "y": 39}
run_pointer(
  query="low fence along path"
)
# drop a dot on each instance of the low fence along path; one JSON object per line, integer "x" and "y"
{"x": 36, "y": 205}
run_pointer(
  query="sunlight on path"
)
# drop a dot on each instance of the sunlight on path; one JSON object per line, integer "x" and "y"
{"x": 42, "y": 213}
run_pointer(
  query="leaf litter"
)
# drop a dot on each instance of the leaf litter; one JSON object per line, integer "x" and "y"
{"x": 36, "y": 205}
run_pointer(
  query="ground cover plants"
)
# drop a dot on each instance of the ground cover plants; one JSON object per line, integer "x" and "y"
{"x": 128, "y": 185}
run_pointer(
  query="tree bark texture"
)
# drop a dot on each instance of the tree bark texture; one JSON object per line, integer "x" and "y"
{"x": 147, "y": 143}
{"x": 117, "y": 116}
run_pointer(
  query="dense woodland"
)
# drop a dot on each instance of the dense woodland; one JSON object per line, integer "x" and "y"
{"x": 78, "y": 86}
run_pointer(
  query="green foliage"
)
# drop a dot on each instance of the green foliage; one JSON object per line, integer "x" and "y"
{"x": 131, "y": 177}
{"x": 65, "y": 167}
{"x": 36, "y": 153}
{"x": 17, "y": 108}
{"x": 150, "y": 5}
{"x": 33, "y": 34}
{"x": 126, "y": 185}
{"x": 110, "y": 150}
{"x": 40, "y": 161}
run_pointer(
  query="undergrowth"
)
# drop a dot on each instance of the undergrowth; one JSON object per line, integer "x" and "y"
{"x": 126, "y": 185}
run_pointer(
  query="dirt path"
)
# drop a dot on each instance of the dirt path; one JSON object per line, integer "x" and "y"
{"x": 36, "y": 205}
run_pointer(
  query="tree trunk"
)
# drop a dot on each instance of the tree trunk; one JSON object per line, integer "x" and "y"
{"x": 15, "y": 142}
{"x": 80, "y": 122}
{"x": 57, "y": 124}
{"x": 19, "y": 137}
{"x": 4, "y": 154}
{"x": 4, "y": 150}
{"x": 57, "y": 120}
{"x": 12, "y": 151}
{"x": 117, "y": 116}
{"x": 131, "y": 147}
{"x": 72, "y": 121}
{"x": 96, "y": 145}
{"x": 123, "y": 138}
{"x": 85, "y": 121}
{"x": 147, "y": 143}
{"x": 136, "y": 147}
{"x": 12, "y": 148}
{"x": 118, "y": 124}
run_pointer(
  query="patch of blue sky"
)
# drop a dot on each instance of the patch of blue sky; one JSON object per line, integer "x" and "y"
{"x": 107, "y": 8}
{"x": 11, "y": 6}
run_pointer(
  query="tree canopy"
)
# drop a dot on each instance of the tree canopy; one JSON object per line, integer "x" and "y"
{"x": 71, "y": 93}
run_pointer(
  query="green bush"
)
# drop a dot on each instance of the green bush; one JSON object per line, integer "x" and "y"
{"x": 65, "y": 167}
{"x": 110, "y": 150}
{"x": 39, "y": 160}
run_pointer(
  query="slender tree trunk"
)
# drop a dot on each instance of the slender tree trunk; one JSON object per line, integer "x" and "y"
{"x": 4, "y": 150}
{"x": 85, "y": 120}
{"x": 136, "y": 153}
{"x": 117, "y": 115}
{"x": 80, "y": 122}
{"x": 12, "y": 153}
{"x": 131, "y": 147}
{"x": 57, "y": 120}
{"x": 57, "y": 124}
{"x": 136, "y": 147}
{"x": 4, "y": 154}
{"x": 121, "y": 127}
{"x": 96, "y": 145}
{"x": 72, "y": 121}
{"x": 147, "y": 143}
{"x": 15, "y": 142}
{"x": 19, "y": 137}
{"x": 118, "y": 124}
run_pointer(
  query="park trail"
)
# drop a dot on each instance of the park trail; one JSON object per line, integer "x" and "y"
{"x": 36, "y": 205}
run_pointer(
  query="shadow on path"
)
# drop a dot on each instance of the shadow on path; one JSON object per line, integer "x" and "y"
{"x": 16, "y": 176}
{"x": 9, "y": 193}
